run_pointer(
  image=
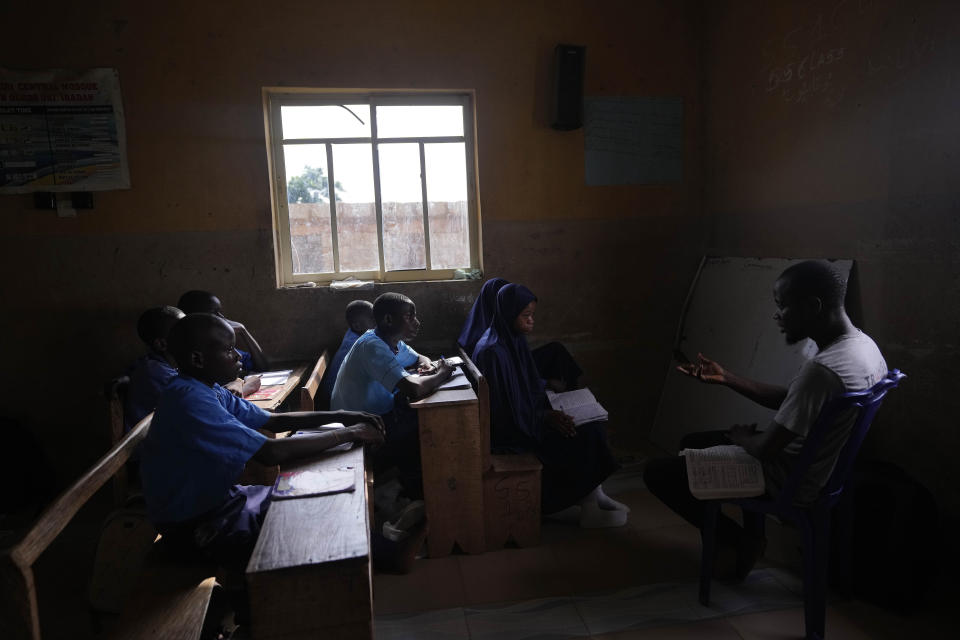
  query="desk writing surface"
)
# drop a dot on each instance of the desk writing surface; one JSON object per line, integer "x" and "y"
{"x": 293, "y": 381}
{"x": 320, "y": 529}
{"x": 446, "y": 397}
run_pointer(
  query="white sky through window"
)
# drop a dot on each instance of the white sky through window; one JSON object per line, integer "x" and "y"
{"x": 446, "y": 178}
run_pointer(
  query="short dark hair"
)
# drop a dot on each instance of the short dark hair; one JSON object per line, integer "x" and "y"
{"x": 389, "y": 303}
{"x": 356, "y": 309}
{"x": 196, "y": 301}
{"x": 156, "y": 322}
{"x": 194, "y": 332}
{"x": 817, "y": 278}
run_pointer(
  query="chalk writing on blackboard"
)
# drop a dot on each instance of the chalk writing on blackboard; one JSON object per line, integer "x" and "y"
{"x": 633, "y": 140}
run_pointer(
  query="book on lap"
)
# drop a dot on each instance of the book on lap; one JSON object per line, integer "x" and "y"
{"x": 579, "y": 404}
{"x": 723, "y": 471}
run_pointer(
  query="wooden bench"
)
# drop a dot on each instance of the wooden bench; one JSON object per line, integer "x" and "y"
{"x": 511, "y": 482}
{"x": 170, "y": 600}
{"x": 308, "y": 392}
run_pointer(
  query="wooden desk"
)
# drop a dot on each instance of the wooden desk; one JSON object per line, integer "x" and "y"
{"x": 309, "y": 574}
{"x": 451, "y": 448}
{"x": 293, "y": 381}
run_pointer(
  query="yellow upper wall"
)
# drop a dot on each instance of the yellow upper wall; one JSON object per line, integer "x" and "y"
{"x": 191, "y": 78}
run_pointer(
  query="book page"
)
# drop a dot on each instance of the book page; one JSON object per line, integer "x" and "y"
{"x": 569, "y": 399}
{"x": 583, "y": 415}
{"x": 724, "y": 471}
{"x": 579, "y": 404}
{"x": 274, "y": 378}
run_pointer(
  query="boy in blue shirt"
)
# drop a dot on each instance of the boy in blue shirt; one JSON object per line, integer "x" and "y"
{"x": 202, "y": 437}
{"x": 150, "y": 373}
{"x": 373, "y": 378}
{"x": 359, "y": 317}
{"x": 252, "y": 356}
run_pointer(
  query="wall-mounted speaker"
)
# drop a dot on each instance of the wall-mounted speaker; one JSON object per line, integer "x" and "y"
{"x": 569, "y": 63}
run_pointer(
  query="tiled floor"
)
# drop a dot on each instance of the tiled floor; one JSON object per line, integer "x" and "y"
{"x": 638, "y": 581}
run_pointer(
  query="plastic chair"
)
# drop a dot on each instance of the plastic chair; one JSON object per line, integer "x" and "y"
{"x": 813, "y": 519}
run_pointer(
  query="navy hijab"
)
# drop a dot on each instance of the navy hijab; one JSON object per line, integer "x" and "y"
{"x": 516, "y": 391}
{"x": 481, "y": 315}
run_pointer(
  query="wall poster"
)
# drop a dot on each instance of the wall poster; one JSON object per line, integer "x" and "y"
{"x": 62, "y": 130}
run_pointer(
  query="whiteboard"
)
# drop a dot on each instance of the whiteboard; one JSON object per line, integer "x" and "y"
{"x": 729, "y": 319}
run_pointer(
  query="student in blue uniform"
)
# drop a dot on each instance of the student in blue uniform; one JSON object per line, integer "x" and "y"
{"x": 252, "y": 357}
{"x": 151, "y": 372}
{"x": 359, "y": 317}
{"x": 202, "y": 437}
{"x": 374, "y": 378}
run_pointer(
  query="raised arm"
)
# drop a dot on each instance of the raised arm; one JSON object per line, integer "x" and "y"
{"x": 710, "y": 372}
{"x": 246, "y": 341}
{"x": 421, "y": 385}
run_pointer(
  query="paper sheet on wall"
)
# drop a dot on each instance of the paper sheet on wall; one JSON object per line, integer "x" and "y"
{"x": 633, "y": 140}
{"x": 62, "y": 130}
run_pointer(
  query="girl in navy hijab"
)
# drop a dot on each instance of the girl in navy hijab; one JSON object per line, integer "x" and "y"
{"x": 575, "y": 459}
{"x": 554, "y": 363}
{"x": 481, "y": 314}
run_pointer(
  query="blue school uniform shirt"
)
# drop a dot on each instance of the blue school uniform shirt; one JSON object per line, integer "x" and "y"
{"x": 200, "y": 439}
{"x": 330, "y": 377}
{"x": 148, "y": 377}
{"x": 369, "y": 375}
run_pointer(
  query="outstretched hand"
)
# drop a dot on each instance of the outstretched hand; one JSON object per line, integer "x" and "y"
{"x": 704, "y": 370}
{"x": 372, "y": 419}
{"x": 365, "y": 433}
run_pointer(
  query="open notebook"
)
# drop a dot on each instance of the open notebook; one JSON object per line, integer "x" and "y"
{"x": 579, "y": 404}
{"x": 302, "y": 484}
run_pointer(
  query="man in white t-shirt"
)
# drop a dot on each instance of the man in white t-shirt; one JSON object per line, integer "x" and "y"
{"x": 809, "y": 297}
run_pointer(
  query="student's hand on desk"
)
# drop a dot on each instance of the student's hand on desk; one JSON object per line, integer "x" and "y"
{"x": 704, "y": 370}
{"x": 372, "y": 419}
{"x": 427, "y": 369}
{"x": 235, "y": 387}
{"x": 251, "y": 384}
{"x": 562, "y": 423}
{"x": 444, "y": 369}
{"x": 364, "y": 433}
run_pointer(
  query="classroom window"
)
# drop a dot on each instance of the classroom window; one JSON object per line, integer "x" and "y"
{"x": 379, "y": 186}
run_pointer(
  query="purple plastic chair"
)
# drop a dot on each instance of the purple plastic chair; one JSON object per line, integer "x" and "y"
{"x": 813, "y": 519}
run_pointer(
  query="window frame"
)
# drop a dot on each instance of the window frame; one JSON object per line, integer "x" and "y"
{"x": 276, "y": 97}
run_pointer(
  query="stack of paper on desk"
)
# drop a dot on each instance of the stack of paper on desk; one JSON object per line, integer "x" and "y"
{"x": 273, "y": 378}
{"x": 579, "y": 404}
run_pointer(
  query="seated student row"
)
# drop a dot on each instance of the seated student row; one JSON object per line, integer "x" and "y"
{"x": 185, "y": 492}
{"x": 374, "y": 380}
